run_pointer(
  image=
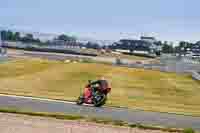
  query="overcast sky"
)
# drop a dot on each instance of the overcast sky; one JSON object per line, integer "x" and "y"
{"x": 105, "y": 19}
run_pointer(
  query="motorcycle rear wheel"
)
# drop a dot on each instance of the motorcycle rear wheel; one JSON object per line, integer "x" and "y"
{"x": 80, "y": 100}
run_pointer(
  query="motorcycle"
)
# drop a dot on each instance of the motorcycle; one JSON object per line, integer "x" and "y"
{"x": 94, "y": 96}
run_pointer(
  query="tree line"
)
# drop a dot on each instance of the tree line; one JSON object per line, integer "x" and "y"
{"x": 8, "y": 35}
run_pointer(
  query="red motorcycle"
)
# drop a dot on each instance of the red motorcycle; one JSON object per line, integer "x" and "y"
{"x": 93, "y": 95}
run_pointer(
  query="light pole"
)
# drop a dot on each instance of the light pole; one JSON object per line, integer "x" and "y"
{"x": 0, "y": 44}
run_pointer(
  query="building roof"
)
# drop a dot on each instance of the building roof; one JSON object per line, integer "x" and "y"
{"x": 196, "y": 48}
{"x": 148, "y": 38}
{"x": 135, "y": 42}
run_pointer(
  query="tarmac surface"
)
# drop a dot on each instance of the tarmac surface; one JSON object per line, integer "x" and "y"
{"x": 131, "y": 116}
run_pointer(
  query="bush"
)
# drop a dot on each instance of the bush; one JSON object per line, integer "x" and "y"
{"x": 189, "y": 130}
{"x": 119, "y": 123}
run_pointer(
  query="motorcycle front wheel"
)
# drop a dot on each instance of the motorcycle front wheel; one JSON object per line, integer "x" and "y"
{"x": 100, "y": 100}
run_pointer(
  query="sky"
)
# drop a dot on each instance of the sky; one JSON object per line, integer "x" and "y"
{"x": 171, "y": 20}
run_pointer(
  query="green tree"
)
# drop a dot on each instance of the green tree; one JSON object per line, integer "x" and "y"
{"x": 167, "y": 48}
{"x": 10, "y": 35}
{"x": 38, "y": 40}
{"x": 66, "y": 38}
{"x": 29, "y": 36}
{"x": 184, "y": 46}
{"x": 16, "y": 36}
{"x": 177, "y": 49}
{"x": 198, "y": 43}
{"x": 63, "y": 37}
{"x": 4, "y": 35}
{"x": 158, "y": 43}
{"x": 73, "y": 38}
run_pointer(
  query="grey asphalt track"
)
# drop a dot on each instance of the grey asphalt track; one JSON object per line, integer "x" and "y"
{"x": 132, "y": 116}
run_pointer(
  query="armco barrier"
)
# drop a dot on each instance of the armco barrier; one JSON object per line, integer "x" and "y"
{"x": 64, "y": 51}
{"x": 196, "y": 75}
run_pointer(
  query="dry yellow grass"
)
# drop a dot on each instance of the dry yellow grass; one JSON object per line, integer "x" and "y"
{"x": 133, "y": 88}
{"x": 123, "y": 56}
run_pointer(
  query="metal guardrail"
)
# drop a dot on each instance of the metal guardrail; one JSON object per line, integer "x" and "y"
{"x": 41, "y": 49}
{"x": 196, "y": 75}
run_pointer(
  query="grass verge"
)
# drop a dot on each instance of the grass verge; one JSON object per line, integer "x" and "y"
{"x": 89, "y": 119}
{"x": 132, "y": 88}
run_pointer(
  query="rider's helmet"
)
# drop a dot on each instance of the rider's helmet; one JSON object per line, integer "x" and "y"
{"x": 102, "y": 78}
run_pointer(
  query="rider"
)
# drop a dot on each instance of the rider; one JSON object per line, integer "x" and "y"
{"x": 102, "y": 84}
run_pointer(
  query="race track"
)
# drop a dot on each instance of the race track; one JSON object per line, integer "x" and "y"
{"x": 132, "y": 116}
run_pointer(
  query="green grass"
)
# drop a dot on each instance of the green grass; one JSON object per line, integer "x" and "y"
{"x": 189, "y": 130}
{"x": 95, "y": 120}
{"x": 132, "y": 88}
